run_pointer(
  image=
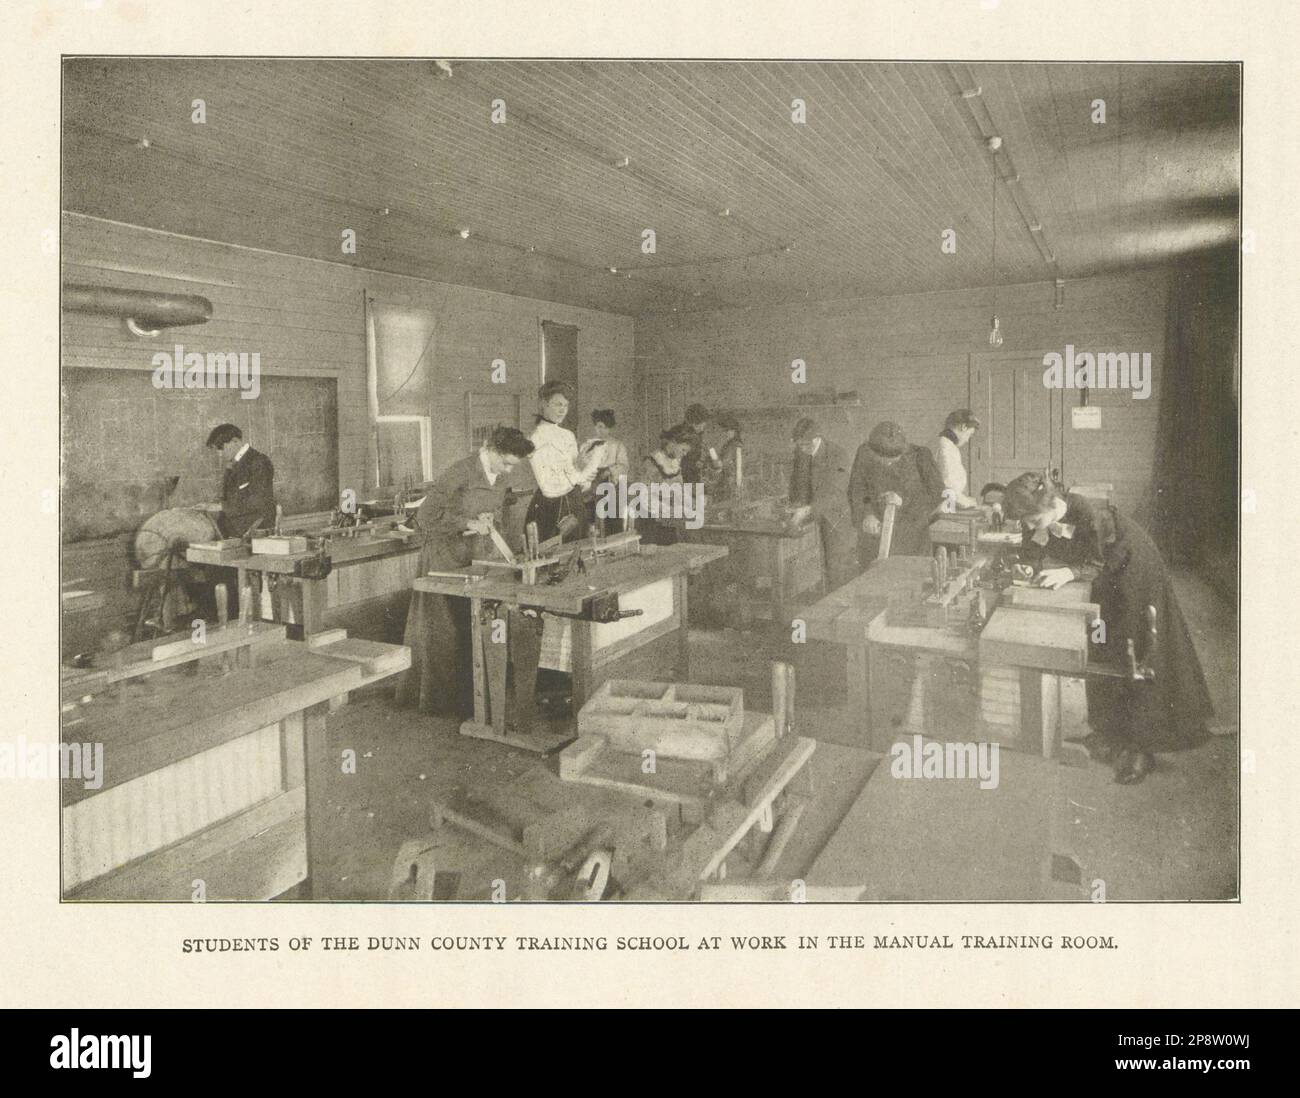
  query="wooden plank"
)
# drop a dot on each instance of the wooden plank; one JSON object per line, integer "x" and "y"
{"x": 227, "y": 856}
{"x": 633, "y": 641}
{"x": 592, "y": 760}
{"x": 595, "y": 763}
{"x": 280, "y": 546}
{"x": 139, "y": 659}
{"x": 496, "y": 662}
{"x": 1039, "y": 598}
{"x": 682, "y": 661}
{"x": 326, "y": 636}
{"x": 442, "y": 813}
{"x": 375, "y": 658}
{"x": 1029, "y": 638}
{"x": 316, "y": 774}
{"x": 293, "y": 771}
{"x": 581, "y": 663}
{"x": 315, "y": 600}
{"x": 477, "y": 662}
{"x": 620, "y": 576}
{"x": 735, "y": 821}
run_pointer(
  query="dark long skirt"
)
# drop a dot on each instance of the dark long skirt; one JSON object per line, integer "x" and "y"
{"x": 1171, "y": 712}
{"x": 548, "y": 512}
{"x": 441, "y": 676}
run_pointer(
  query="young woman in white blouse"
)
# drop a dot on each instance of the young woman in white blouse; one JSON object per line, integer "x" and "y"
{"x": 560, "y": 471}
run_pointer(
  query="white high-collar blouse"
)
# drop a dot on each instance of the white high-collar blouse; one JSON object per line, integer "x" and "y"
{"x": 555, "y": 460}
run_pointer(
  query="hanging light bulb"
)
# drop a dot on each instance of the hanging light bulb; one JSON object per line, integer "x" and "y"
{"x": 995, "y": 328}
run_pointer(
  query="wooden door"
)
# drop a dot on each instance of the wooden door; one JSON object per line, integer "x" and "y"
{"x": 1020, "y": 418}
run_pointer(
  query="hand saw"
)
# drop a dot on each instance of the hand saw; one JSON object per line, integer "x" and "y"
{"x": 497, "y": 540}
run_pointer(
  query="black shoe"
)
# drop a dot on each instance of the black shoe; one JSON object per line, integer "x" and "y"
{"x": 1132, "y": 766}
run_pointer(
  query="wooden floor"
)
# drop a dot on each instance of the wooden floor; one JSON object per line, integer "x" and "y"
{"x": 1171, "y": 838}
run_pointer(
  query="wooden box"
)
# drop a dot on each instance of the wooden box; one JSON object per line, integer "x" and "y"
{"x": 279, "y": 546}
{"x": 677, "y": 720}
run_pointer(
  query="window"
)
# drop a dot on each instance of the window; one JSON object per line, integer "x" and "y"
{"x": 399, "y": 354}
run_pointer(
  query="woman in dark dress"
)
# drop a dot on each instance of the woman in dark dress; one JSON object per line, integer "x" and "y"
{"x": 467, "y": 498}
{"x": 664, "y": 467}
{"x": 1069, "y": 537}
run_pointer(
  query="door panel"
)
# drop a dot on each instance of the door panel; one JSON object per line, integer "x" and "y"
{"x": 1020, "y": 418}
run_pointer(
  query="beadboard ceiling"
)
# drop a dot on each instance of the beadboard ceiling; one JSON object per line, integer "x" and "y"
{"x": 852, "y": 203}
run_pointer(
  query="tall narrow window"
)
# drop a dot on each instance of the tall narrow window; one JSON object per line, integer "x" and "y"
{"x": 400, "y": 349}
{"x": 560, "y": 360}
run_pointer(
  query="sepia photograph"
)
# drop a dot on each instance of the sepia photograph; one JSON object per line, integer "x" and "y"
{"x": 649, "y": 481}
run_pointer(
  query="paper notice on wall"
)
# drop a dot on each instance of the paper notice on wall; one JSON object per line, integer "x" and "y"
{"x": 1086, "y": 419}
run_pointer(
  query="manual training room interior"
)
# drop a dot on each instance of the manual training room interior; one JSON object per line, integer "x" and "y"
{"x": 783, "y": 281}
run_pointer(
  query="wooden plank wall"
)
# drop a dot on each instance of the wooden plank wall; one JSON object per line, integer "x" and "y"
{"x": 909, "y": 358}
{"x": 306, "y": 318}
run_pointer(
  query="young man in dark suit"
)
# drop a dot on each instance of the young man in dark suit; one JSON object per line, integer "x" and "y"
{"x": 248, "y": 488}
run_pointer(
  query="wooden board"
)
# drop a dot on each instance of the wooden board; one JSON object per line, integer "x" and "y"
{"x": 139, "y": 658}
{"x": 278, "y": 546}
{"x": 1040, "y": 598}
{"x": 948, "y": 840}
{"x": 844, "y": 614}
{"x": 1017, "y": 637}
{"x": 216, "y": 639}
{"x": 374, "y": 657}
{"x": 594, "y": 761}
{"x": 706, "y": 850}
{"x": 254, "y": 855}
{"x": 618, "y": 576}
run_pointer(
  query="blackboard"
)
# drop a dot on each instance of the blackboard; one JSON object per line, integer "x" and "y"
{"x": 122, "y": 439}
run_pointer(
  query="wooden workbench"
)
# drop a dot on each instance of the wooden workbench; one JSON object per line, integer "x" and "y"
{"x": 365, "y": 571}
{"x": 906, "y": 680}
{"x": 210, "y": 779}
{"x": 777, "y": 564}
{"x": 655, "y": 578}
